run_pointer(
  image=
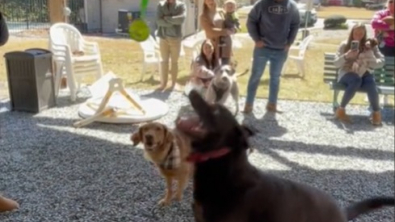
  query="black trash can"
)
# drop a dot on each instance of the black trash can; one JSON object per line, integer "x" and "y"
{"x": 30, "y": 80}
{"x": 125, "y": 17}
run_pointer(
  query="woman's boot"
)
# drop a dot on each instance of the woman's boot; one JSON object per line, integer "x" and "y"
{"x": 376, "y": 118}
{"x": 341, "y": 115}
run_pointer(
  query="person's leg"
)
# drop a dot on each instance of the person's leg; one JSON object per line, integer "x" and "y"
{"x": 369, "y": 85}
{"x": 175, "y": 49}
{"x": 165, "y": 54}
{"x": 353, "y": 82}
{"x": 260, "y": 59}
{"x": 277, "y": 61}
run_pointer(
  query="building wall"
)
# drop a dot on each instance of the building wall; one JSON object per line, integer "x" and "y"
{"x": 110, "y": 14}
{"x": 92, "y": 9}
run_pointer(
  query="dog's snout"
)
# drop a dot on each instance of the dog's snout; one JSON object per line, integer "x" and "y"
{"x": 149, "y": 138}
{"x": 224, "y": 78}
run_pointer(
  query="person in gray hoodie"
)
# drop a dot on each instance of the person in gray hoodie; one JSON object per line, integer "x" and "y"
{"x": 273, "y": 25}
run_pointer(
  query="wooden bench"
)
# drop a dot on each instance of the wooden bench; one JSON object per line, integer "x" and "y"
{"x": 384, "y": 78}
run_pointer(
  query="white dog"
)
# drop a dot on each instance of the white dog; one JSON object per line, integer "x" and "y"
{"x": 224, "y": 84}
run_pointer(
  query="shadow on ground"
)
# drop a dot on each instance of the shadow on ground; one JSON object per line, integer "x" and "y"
{"x": 58, "y": 173}
{"x": 360, "y": 122}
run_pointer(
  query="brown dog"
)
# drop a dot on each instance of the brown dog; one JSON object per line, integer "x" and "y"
{"x": 167, "y": 149}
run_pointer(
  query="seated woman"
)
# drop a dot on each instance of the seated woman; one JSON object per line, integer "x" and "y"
{"x": 202, "y": 68}
{"x": 354, "y": 64}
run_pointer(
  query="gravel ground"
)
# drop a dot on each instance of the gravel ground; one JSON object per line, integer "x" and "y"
{"x": 58, "y": 173}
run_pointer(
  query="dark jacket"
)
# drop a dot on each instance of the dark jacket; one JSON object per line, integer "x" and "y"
{"x": 3, "y": 30}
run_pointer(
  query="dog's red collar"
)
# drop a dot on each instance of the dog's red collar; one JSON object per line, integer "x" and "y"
{"x": 201, "y": 157}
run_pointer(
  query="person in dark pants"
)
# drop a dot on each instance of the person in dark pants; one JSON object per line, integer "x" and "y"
{"x": 5, "y": 203}
{"x": 3, "y": 30}
{"x": 354, "y": 64}
{"x": 383, "y": 26}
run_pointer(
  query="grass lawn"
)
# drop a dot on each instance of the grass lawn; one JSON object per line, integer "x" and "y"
{"x": 348, "y": 12}
{"x": 124, "y": 58}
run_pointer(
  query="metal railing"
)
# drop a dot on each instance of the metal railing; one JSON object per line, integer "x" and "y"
{"x": 25, "y": 15}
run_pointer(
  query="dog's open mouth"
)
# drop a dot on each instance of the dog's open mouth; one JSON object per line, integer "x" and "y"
{"x": 196, "y": 125}
{"x": 191, "y": 125}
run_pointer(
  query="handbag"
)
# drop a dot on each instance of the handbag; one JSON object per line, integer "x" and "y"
{"x": 4, "y": 35}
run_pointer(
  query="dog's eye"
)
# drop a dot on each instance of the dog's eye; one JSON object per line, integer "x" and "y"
{"x": 157, "y": 128}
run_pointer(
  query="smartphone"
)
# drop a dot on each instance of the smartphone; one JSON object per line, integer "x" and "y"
{"x": 354, "y": 45}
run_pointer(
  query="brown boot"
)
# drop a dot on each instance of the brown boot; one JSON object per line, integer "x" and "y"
{"x": 248, "y": 109}
{"x": 273, "y": 108}
{"x": 341, "y": 115}
{"x": 7, "y": 204}
{"x": 376, "y": 118}
{"x": 63, "y": 83}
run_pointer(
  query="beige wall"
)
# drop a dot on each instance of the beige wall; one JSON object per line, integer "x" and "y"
{"x": 110, "y": 14}
{"x": 110, "y": 11}
{"x": 93, "y": 14}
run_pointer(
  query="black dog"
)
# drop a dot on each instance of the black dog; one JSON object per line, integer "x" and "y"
{"x": 227, "y": 188}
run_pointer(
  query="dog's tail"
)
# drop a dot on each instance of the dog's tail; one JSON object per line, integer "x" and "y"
{"x": 243, "y": 73}
{"x": 368, "y": 205}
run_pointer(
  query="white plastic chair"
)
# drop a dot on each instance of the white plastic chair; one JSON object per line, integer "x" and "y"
{"x": 151, "y": 55}
{"x": 299, "y": 58}
{"x": 65, "y": 43}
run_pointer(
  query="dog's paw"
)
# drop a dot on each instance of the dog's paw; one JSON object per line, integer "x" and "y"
{"x": 164, "y": 202}
{"x": 178, "y": 197}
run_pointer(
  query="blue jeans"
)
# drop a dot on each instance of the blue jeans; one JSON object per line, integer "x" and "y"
{"x": 260, "y": 58}
{"x": 354, "y": 82}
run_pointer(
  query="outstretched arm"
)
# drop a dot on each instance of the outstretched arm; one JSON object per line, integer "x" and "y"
{"x": 200, "y": 70}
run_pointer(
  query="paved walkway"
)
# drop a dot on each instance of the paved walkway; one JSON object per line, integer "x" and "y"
{"x": 59, "y": 173}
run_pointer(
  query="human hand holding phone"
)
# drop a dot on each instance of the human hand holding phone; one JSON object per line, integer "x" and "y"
{"x": 354, "y": 50}
{"x": 352, "y": 54}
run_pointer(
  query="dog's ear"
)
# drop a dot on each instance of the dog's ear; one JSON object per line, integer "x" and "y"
{"x": 168, "y": 136}
{"x": 136, "y": 137}
{"x": 249, "y": 131}
{"x": 373, "y": 42}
